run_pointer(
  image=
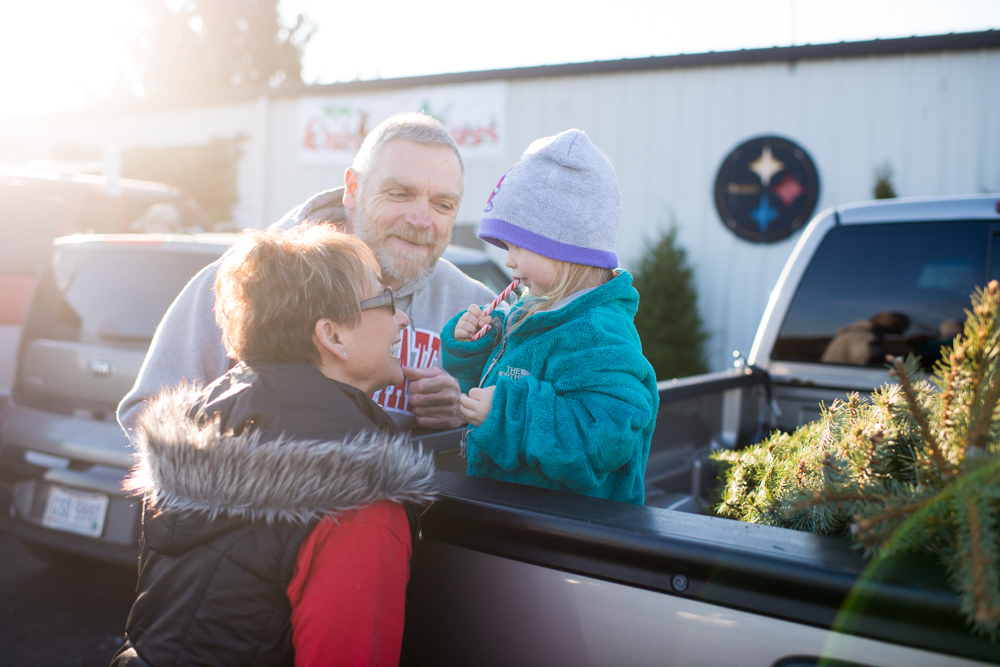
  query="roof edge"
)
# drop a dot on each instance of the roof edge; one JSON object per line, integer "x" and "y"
{"x": 987, "y": 39}
{"x": 950, "y": 42}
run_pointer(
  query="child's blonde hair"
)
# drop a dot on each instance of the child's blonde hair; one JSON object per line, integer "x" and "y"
{"x": 570, "y": 278}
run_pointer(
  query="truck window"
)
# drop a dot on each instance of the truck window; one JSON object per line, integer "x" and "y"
{"x": 29, "y": 219}
{"x": 877, "y": 290}
{"x": 108, "y": 296}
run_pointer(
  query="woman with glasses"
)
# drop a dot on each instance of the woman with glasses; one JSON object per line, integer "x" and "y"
{"x": 277, "y": 523}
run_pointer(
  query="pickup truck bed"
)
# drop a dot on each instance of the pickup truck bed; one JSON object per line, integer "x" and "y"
{"x": 517, "y": 575}
{"x": 509, "y": 574}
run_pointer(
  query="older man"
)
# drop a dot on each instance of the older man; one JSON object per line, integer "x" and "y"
{"x": 400, "y": 196}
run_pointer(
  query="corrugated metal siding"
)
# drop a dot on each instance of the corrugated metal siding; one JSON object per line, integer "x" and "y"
{"x": 935, "y": 117}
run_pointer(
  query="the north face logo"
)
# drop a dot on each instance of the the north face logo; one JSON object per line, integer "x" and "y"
{"x": 514, "y": 373}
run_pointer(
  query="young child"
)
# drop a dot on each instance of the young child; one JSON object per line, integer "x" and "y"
{"x": 557, "y": 392}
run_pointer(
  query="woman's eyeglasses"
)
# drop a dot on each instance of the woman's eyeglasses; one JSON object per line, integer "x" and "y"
{"x": 383, "y": 300}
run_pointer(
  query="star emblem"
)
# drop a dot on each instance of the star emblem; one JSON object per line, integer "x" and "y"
{"x": 788, "y": 190}
{"x": 766, "y": 189}
{"x": 763, "y": 214}
{"x": 766, "y": 166}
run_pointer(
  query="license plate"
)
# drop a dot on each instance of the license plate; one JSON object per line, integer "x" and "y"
{"x": 75, "y": 511}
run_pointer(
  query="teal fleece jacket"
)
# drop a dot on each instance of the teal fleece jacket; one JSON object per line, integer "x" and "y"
{"x": 575, "y": 401}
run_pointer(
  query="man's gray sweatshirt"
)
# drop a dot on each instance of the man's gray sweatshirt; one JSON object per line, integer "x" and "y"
{"x": 187, "y": 345}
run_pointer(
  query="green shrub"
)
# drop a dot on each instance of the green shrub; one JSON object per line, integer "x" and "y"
{"x": 913, "y": 469}
{"x": 668, "y": 323}
{"x": 883, "y": 188}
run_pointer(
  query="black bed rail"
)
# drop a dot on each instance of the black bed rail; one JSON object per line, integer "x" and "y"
{"x": 680, "y": 389}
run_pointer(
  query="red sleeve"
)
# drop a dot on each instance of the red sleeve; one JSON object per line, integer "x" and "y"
{"x": 349, "y": 587}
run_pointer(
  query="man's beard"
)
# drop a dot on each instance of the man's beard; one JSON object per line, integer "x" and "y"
{"x": 402, "y": 264}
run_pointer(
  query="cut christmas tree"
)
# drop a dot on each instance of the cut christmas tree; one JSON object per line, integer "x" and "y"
{"x": 914, "y": 468}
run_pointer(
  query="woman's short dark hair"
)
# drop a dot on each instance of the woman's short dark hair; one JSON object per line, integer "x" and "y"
{"x": 274, "y": 286}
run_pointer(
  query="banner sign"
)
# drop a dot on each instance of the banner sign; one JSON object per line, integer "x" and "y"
{"x": 331, "y": 129}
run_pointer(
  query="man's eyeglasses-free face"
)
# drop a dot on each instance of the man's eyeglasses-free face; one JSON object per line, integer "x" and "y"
{"x": 383, "y": 300}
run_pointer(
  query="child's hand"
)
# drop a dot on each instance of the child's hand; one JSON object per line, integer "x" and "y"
{"x": 476, "y": 405}
{"x": 472, "y": 321}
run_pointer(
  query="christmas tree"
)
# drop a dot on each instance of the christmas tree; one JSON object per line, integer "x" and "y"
{"x": 916, "y": 467}
{"x": 667, "y": 321}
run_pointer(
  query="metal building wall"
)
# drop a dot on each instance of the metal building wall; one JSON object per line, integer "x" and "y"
{"x": 934, "y": 117}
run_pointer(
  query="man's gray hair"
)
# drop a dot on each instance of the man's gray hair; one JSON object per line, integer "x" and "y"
{"x": 414, "y": 126}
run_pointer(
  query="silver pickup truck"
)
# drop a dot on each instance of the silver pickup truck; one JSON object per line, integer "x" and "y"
{"x": 507, "y": 574}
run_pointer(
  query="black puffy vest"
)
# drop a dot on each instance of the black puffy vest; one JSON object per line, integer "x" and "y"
{"x": 213, "y": 592}
{"x": 213, "y": 588}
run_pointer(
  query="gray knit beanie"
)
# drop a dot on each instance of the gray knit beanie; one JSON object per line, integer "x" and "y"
{"x": 561, "y": 200}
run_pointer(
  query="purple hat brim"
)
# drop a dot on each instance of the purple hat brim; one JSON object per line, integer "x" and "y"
{"x": 499, "y": 232}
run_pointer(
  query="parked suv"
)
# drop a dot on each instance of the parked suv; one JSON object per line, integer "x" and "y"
{"x": 37, "y": 206}
{"x": 87, "y": 331}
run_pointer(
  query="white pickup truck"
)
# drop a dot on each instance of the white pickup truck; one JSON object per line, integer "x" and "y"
{"x": 506, "y": 574}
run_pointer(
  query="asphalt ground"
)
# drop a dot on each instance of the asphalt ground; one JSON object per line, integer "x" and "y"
{"x": 62, "y": 612}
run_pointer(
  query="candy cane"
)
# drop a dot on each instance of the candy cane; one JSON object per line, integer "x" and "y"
{"x": 496, "y": 302}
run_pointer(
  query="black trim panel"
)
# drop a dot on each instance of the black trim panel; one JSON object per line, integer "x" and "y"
{"x": 709, "y": 383}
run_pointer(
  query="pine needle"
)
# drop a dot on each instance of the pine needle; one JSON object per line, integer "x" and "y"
{"x": 899, "y": 370}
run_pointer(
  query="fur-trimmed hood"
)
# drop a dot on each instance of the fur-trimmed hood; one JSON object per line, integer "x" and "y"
{"x": 192, "y": 467}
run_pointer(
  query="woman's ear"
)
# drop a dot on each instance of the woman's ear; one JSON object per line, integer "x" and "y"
{"x": 329, "y": 339}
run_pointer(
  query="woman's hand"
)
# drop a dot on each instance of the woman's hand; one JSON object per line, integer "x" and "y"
{"x": 476, "y": 405}
{"x": 472, "y": 321}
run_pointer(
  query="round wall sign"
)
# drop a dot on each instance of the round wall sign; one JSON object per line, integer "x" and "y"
{"x": 766, "y": 189}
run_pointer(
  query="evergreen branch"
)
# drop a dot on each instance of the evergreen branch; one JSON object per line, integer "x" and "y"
{"x": 838, "y": 499}
{"x": 986, "y": 614}
{"x": 984, "y": 327}
{"x": 947, "y": 385}
{"x": 894, "y": 473}
{"x": 920, "y": 528}
{"x": 919, "y": 415}
{"x": 866, "y": 470}
{"x": 864, "y": 524}
{"x": 976, "y": 440}
{"x": 977, "y": 383}
{"x": 852, "y": 403}
{"x": 827, "y": 437}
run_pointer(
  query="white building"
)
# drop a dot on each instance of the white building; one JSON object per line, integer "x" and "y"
{"x": 927, "y": 106}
